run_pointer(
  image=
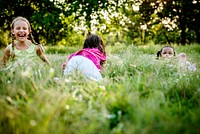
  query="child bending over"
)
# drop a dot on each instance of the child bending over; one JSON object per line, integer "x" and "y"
{"x": 89, "y": 60}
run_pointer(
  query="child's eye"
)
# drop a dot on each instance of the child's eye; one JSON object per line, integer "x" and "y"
{"x": 24, "y": 28}
{"x": 18, "y": 28}
{"x": 164, "y": 52}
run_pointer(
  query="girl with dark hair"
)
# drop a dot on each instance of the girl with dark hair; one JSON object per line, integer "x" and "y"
{"x": 89, "y": 60}
{"x": 169, "y": 52}
{"x": 22, "y": 48}
{"x": 166, "y": 52}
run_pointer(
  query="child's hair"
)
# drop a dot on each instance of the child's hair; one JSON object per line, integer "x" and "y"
{"x": 94, "y": 41}
{"x": 13, "y": 36}
{"x": 159, "y": 52}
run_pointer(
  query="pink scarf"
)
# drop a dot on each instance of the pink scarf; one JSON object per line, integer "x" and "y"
{"x": 94, "y": 54}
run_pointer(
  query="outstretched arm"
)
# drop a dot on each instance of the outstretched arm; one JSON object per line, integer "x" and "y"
{"x": 40, "y": 53}
{"x": 63, "y": 66}
{"x": 5, "y": 57}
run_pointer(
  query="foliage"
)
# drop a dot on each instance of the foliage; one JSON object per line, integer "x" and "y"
{"x": 4, "y": 38}
{"x": 61, "y": 49}
{"x": 49, "y": 21}
{"x": 174, "y": 17}
{"x": 137, "y": 22}
{"x": 139, "y": 94}
{"x": 185, "y": 14}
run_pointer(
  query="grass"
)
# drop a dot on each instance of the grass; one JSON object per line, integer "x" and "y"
{"x": 139, "y": 94}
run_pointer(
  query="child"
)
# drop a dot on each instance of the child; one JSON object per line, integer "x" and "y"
{"x": 166, "y": 52}
{"x": 169, "y": 52}
{"x": 23, "y": 48}
{"x": 89, "y": 60}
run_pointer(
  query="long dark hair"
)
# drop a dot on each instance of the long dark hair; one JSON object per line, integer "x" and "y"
{"x": 94, "y": 41}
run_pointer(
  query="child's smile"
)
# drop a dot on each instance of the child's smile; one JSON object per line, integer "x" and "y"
{"x": 21, "y": 30}
{"x": 21, "y": 34}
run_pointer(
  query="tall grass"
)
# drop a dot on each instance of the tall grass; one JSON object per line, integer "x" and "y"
{"x": 139, "y": 94}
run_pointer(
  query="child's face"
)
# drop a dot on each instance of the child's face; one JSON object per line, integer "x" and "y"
{"x": 21, "y": 30}
{"x": 167, "y": 52}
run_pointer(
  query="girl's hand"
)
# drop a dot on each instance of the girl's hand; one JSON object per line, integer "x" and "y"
{"x": 64, "y": 65}
{"x": 40, "y": 53}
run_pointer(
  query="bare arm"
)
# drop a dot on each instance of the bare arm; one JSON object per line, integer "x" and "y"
{"x": 40, "y": 53}
{"x": 63, "y": 66}
{"x": 5, "y": 56}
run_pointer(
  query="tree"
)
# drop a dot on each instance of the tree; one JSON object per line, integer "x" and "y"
{"x": 186, "y": 14}
{"x": 50, "y": 18}
{"x": 43, "y": 15}
{"x": 194, "y": 19}
{"x": 88, "y": 8}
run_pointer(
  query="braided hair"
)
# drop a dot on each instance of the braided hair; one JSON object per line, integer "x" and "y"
{"x": 13, "y": 44}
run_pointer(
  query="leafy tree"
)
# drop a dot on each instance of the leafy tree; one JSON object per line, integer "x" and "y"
{"x": 43, "y": 15}
{"x": 194, "y": 19}
{"x": 186, "y": 14}
{"x": 51, "y": 20}
{"x": 12, "y": 8}
{"x": 54, "y": 20}
{"x": 87, "y": 8}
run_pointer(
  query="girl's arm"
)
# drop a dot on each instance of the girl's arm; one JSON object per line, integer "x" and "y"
{"x": 63, "y": 66}
{"x": 40, "y": 53}
{"x": 6, "y": 55}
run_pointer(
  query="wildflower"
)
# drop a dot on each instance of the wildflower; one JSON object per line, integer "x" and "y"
{"x": 27, "y": 72}
{"x": 67, "y": 107}
{"x": 56, "y": 78}
{"x": 33, "y": 122}
{"x": 51, "y": 72}
{"x": 67, "y": 80}
{"x": 102, "y": 87}
{"x": 8, "y": 81}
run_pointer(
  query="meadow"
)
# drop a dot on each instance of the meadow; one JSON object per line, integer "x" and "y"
{"x": 138, "y": 95}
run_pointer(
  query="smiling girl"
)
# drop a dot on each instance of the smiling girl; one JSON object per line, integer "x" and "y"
{"x": 23, "y": 45}
{"x": 168, "y": 52}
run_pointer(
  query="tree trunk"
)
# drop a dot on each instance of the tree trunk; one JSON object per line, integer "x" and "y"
{"x": 198, "y": 36}
{"x": 182, "y": 20}
{"x": 183, "y": 28}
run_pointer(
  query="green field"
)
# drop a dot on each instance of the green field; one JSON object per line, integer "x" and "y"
{"x": 139, "y": 95}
